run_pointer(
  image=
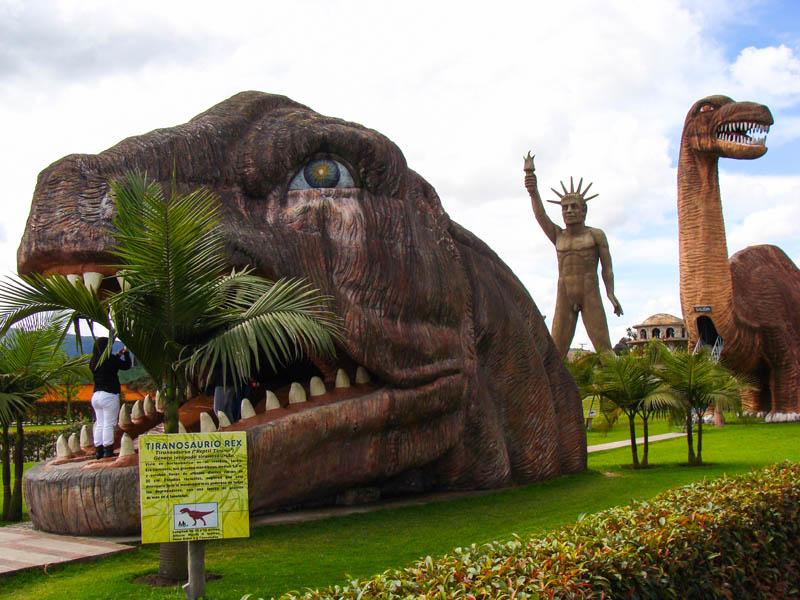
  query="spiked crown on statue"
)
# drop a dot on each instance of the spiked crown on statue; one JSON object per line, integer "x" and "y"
{"x": 572, "y": 194}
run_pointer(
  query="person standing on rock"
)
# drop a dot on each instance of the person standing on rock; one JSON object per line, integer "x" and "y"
{"x": 105, "y": 399}
{"x": 579, "y": 248}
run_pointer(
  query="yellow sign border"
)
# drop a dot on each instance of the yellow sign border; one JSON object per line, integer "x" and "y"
{"x": 213, "y": 476}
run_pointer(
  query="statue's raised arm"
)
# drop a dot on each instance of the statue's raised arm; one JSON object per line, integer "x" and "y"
{"x": 550, "y": 229}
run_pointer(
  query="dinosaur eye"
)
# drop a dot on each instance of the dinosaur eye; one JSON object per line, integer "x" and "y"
{"x": 706, "y": 108}
{"x": 322, "y": 173}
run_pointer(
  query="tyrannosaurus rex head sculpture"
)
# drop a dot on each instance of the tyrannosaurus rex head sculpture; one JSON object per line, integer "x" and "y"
{"x": 721, "y": 126}
{"x": 468, "y": 388}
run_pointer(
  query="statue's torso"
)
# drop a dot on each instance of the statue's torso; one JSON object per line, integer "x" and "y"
{"x": 577, "y": 254}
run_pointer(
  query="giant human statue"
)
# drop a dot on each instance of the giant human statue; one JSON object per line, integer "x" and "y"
{"x": 578, "y": 248}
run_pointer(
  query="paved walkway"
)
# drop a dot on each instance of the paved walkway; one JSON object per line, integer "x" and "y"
{"x": 626, "y": 443}
{"x": 22, "y": 547}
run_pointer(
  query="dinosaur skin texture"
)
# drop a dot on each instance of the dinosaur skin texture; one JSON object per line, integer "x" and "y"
{"x": 753, "y": 296}
{"x": 467, "y": 391}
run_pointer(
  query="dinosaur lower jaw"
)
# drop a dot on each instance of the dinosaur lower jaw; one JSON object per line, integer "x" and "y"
{"x": 330, "y": 445}
{"x": 295, "y": 455}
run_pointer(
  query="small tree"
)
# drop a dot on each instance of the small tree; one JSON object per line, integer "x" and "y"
{"x": 70, "y": 384}
{"x": 582, "y": 369}
{"x": 698, "y": 383}
{"x": 626, "y": 384}
{"x": 31, "y": 361}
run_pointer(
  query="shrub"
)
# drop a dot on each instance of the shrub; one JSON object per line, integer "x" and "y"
{"x": 41, "y": 445}
{"x": 55, "y": 412}
{"x": 728, "y": 538}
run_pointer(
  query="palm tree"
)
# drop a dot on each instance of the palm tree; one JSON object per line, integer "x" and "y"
{"x": 583, "y": 368}
{"x": 698, "y": 383}
{"x": 31, "y": 361}
{"x": 626, "y": 384}
{"x": 180, "y": 310}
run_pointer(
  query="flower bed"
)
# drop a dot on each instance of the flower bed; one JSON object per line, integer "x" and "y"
{"x": 727, "y": 538}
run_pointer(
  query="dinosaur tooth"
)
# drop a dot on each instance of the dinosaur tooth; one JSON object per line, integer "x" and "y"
{"x": 342, "y": 379}
{"x": 159, "y": 401}
{"x": 86, "y": 437}
{"x": 126, "y": 446}
{"x": 316, "y": 386}
{"x": 124, "y": 284}
{"x": 149, "y": 406}
{"x": 271, "y": 401}
{"x": 181, "y": 427}
{"x": 74, "y": 444}
{"x": 297, "y": 393}
{"x": 247, "y": 409}
{"x": 362, "y": 376}
{"x": 137, "y": 413}
{"x": 74, "y": 278}
{"x": 92, "y": 280}
{"x": 207, "y": 423}
{"x": 62, "y": 448}
{"x": 124, "y": 416}
{"x": 223, "y": 419}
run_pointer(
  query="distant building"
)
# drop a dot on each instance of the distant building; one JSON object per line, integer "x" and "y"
{"x": 662, "y": 326}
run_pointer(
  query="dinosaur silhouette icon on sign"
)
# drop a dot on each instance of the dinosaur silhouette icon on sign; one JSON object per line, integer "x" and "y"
{"x": 196, "y": 515}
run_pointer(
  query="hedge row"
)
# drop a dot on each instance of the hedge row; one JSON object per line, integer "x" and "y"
{"x": 736, "y": 537}
{"x": 41, "y": 445}
{"x": 55, "y": 413}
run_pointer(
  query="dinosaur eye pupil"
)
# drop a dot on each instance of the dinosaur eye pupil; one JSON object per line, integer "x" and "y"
{"x": 706, "y": 108}
{"x": 322, "y": 173}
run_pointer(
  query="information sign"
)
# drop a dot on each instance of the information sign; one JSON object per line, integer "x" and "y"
{"x": 193, "y": 486}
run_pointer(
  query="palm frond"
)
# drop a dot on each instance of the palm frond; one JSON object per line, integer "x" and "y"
{"x": 33, "y": 294}
{"x": 278, "y": 337}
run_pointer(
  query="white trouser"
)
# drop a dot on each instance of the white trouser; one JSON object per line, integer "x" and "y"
{"x": 106, "y": 410}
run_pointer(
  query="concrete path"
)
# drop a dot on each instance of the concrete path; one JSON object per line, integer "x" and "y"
{"x": 21, "y": 547}
{"x": 626, "y": 443}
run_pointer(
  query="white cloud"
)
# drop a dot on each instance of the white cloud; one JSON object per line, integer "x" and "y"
{"x": 771, "y": 74}
{"x": 597, "y": 90}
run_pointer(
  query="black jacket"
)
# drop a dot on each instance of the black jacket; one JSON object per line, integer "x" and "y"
{"x": 105, "y": 375}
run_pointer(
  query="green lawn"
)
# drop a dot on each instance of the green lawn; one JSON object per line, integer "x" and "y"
{"x": 276, "y": 559}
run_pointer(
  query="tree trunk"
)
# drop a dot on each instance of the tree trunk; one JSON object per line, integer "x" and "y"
{"x": 699, "y": 459}
{"x": 719, "y": 417}
{"x": 689, "y": 438}
{"x": 172, "y": 556}
{"x": 6, "y": 457}
{"x": 171, "y": 406}
{"x": 646, "y": 446}
{"x": 634, "y": 449}
{"x": 173, "y": 563}
{"x": 15, "y": 512}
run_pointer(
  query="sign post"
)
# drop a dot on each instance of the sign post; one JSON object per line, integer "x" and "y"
{"x": 193, "y": 487}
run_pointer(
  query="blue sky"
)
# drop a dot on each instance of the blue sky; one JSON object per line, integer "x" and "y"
{"x": 597, "y": 89}
{"x": 763, "y": 24}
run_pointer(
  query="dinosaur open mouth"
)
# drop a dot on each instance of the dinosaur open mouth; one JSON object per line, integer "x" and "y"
{"x": 746, "y": 133}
